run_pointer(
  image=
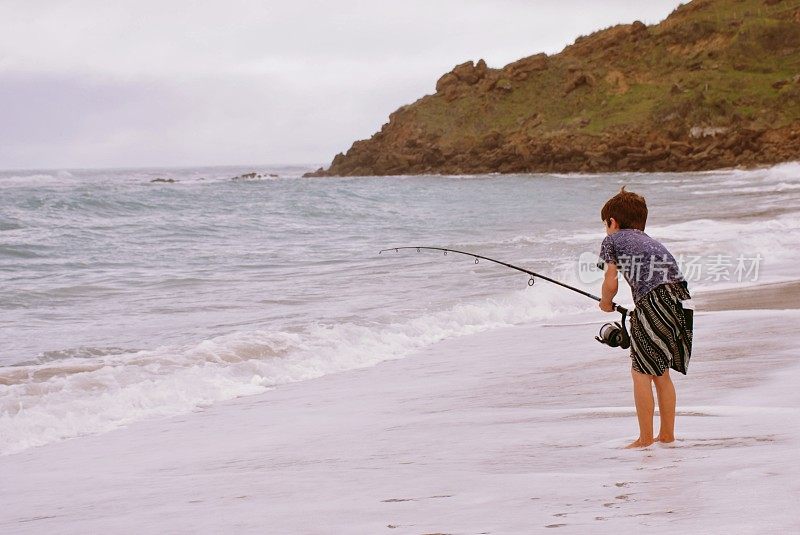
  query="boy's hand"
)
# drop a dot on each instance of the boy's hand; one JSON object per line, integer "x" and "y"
{"x": 606, "y": 306}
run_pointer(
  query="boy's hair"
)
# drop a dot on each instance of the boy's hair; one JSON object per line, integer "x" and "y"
{"x": 628, "y": 208}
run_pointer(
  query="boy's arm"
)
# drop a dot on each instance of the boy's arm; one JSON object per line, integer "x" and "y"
{"x": 610, "y": 287}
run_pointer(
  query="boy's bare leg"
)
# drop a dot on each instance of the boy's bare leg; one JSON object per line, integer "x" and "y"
{"x": 645, "y": 405}
{"x": 666, "y": 407}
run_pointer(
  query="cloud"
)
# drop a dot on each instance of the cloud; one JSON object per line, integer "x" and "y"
{"x": 88, "y": 83}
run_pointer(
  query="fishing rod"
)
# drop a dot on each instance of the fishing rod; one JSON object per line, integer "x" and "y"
{"x": 614, "y": 334}
{"x": 533, "y": 274}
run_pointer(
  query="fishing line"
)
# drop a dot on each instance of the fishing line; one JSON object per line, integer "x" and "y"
{"x": 613, "y": 334}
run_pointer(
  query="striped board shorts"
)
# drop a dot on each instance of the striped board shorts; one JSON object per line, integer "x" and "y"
{"x": 661, "y": 330}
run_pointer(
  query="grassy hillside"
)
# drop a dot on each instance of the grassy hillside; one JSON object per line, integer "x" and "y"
{"x": 717, "y": 83}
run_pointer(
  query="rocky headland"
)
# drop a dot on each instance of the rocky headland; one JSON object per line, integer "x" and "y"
{"x": 714, "y": 85}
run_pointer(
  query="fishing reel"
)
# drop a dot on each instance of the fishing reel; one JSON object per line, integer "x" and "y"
{"x": 615, "y": 334}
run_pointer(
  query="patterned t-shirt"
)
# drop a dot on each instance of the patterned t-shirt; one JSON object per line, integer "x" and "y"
{"x": 644, "y": 262}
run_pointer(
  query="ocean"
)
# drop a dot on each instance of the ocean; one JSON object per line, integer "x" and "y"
{"x": 123, "y": 299}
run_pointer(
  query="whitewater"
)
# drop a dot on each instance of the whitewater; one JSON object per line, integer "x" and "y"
{"x": 125, "y": 299}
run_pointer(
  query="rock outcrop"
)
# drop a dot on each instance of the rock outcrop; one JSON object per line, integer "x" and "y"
{"x": 714, "y": 85}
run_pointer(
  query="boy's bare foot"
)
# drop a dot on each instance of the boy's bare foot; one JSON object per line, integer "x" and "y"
{"x": 638, "y": 443}
{"x": 665, "y": 439}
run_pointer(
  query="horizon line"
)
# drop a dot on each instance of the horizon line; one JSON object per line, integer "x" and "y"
{"x": 312, "y": 166}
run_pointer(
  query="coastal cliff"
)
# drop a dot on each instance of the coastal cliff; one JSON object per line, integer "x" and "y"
{"x": 714, "y": 85}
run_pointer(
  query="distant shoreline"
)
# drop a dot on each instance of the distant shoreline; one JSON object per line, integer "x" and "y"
{"x": 752, "y": 167}
{"x": 265, "y": 168}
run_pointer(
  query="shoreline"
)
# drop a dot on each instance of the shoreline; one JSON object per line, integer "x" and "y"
{"x": 773, "y": 296}
{"x": 757, "y": 166}
{"x": 311, "y": 170}
{"x": 511, "y": 430}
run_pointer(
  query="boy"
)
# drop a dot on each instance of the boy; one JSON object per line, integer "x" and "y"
{"x": 661, "y": 330}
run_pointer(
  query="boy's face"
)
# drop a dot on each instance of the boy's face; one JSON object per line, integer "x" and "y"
{"x": 611, "y": 226}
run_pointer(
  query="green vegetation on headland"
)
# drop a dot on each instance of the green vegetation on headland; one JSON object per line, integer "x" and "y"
{"x": 715, "y": 85}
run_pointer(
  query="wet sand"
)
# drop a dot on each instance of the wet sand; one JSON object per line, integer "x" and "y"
{"x": 778, "y": 296}
{"x": 515, "y": 430}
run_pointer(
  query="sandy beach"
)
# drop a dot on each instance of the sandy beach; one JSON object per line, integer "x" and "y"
{"x": 777, "y": 295}
{"x": 465, "y": 436}
{"x": 335, "y": 268}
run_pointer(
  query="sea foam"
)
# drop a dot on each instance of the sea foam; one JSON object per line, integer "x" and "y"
{"x": 69, "y": 397}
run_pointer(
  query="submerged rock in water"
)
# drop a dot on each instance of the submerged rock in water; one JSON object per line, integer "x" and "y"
{"x": 247, "y": 176}
{"x": 254, "y": 176}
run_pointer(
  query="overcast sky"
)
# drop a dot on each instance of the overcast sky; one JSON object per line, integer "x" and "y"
{"x": 171, "y": 83}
